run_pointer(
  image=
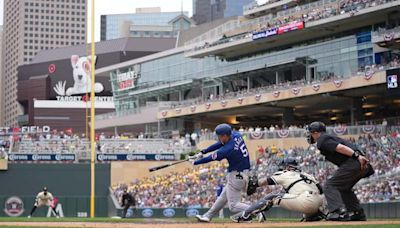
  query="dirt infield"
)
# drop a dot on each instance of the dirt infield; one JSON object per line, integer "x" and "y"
{"x": 173, "y": 224}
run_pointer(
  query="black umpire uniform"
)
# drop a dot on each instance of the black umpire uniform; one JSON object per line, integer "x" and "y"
{"x": 127, "y": 201}
{"x": 343, "y": 204}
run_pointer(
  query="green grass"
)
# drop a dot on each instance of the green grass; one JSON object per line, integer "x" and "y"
{"x": 172, "y": 220}
{"x": 370, "y": 226}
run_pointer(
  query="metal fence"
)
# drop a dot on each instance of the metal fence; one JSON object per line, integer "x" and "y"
{"x": 300, "y": 132}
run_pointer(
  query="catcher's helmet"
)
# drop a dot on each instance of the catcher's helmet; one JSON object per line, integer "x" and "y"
{"x": 223, "y": 129}
{"x": 289, "y": 161}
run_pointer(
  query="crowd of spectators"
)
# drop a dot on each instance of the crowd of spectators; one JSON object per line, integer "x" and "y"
{"x": 307, "y": 13}
{"x": 253, "y": 91}
{"x": 386, "y": 63}
{"x": 197, "y": 187}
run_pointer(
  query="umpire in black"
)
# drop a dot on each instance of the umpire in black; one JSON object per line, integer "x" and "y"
{"x": 352, "y": 165}
{"x": 128, "y": 200}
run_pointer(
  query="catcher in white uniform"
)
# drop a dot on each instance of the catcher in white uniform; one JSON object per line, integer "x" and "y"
{"x": 302, "y": 193}
{"x": 44, "y": 198}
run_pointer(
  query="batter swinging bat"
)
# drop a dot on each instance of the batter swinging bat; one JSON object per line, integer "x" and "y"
{"x": 166, "y": 165}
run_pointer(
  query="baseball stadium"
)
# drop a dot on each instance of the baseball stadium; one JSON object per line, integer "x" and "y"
{"x": 286, "y": 116}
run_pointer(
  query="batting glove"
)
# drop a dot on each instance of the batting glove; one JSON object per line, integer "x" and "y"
{"x": 195, "y": 157}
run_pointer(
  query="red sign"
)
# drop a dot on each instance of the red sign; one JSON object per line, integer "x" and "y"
{"x": 52, "y": 68}
{"x": 125, "y": 84}
{"x": 291, "y": 27}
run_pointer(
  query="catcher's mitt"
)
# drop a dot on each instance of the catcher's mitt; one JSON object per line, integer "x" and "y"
{"x": 253, "y": 185}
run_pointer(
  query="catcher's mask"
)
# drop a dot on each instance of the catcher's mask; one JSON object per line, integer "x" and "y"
{"x": 288, "y": 163}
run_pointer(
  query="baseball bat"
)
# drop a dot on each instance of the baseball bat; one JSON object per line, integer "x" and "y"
{"x": 166, "y": 165}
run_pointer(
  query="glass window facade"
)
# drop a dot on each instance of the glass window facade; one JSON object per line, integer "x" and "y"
{"x": 112, "y": 24}
{"x": 340, "y": 57}
{"x": 235, "y": 7}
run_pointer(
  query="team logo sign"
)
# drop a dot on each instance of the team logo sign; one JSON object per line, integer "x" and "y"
{"x": 240, "y": 100}
{"x": 178, "y": 110}
{"x": 224, "y": 103}
{"x": 284, "y": 133}
{"x": 208, "y": 105}
{"x": 164, "y": 113}
{"x": 192, "y": 108}
{"x": 368, "y": 129}
{"x": 392, "y": 82}
{"x": 147, "y": 213}
{"x": 296, "y": 91}
{"x": 338, "y": 83}
{"x": 257, "y": 97}
{"x": 276, "y": 93}
{"x": 169, "y": 212}
{"x": 52, "y": 68}
{"x": 14, "y": 206}
{"x": 192, "y": 212}
{"x": 316, "y": 87}
{"x": 340, "y": 130}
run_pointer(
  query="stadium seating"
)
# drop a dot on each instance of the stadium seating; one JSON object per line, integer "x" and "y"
{"x": 308, "y": 12}
{"x": 197, "y": 187}
{"x": 141, "y": 146}
{"x": 81, "y": 146}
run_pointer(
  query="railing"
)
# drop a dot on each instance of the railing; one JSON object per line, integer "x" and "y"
{"x": 301, "y": 133}
{"x": 133, "y": 111}
{"x": 287, "y": 85}
{"x": 73, "y": 150}
{"x": 386, "y": 34}
{"x": 309, "y": 12}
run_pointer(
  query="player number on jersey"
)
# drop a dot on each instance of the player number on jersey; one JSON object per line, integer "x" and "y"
{"x": 244, "y": 150}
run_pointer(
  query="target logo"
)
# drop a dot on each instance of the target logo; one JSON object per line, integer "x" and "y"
{"x": 52, "y": 68}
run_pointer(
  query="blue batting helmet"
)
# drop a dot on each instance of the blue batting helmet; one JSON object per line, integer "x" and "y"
{"x": 223, "y": 129}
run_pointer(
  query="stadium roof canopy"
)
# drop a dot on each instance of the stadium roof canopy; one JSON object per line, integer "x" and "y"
{"x": 118, "y": 45}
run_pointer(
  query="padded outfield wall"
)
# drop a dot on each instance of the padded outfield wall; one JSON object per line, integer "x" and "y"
{"x": 70, "y": 183}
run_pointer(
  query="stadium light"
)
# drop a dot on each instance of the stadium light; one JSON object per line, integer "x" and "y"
{"x": 334, "y": 118}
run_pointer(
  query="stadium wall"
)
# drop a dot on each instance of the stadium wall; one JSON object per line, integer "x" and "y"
{"x": 70, "y": 183}
{"x": 383, "y": 210}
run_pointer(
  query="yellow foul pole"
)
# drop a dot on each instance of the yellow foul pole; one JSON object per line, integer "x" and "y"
{"x": 92, "y": 140}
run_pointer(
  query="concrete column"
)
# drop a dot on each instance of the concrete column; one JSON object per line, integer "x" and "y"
{"x": 288, "y": 116}
{"x": 180, "y": 95}
{"x": 356, "y": 112}
{"x": 115, "y": 131}
{"x": 276, "y": 77}
{"x": 158, "y": 129}
{"x": 248, "y": 83}
{"x": 308, "y": 75}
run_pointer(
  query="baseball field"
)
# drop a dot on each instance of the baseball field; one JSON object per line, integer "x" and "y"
{"x": 179, "y": 223}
